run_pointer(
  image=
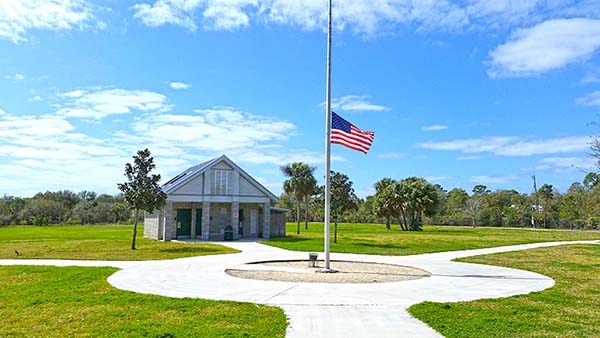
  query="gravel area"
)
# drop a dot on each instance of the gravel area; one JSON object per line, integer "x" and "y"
{"x": 347, "y": 272}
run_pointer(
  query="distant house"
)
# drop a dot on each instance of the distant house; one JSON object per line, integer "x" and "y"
{"x": 216, "y": 200}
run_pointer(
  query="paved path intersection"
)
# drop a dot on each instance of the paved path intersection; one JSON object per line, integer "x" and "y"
{"x": 328, "y": 310}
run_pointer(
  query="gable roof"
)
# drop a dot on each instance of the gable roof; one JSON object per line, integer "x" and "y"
{"x": 192, "y": 172}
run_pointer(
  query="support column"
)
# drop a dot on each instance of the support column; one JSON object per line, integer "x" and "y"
{"x": 193, "y": 226}
{"x": 169, "y": 222}
{"x": 235, "y": 219}
{"x": 266, "y": 228}
{"x": 205, "y": 221}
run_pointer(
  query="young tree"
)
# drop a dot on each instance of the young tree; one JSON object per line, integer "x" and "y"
{"x": 456, "y": 200}
{"x": 142, "y": 191}
{"x": 343, "y": 198}
{"x": 547, "y": 192}
{"x": 472, "y": 207}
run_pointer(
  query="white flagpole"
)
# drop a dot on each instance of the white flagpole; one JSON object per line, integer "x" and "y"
{"x": 328, "y": 144}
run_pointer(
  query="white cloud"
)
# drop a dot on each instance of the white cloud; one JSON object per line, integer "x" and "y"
{"x": 34, "y": 99}
{"x": 565, "y": 163}
{"x": 48, "y": 152}
{"x": 363, "y": 17}
{"x": 17, "y": 18}
{"x": 494, "y": 179}
{"x": 45, "y": 152}
{"x": 547, "y": 46}
{"x": 16, "y": 77}
{"x": 174, "y": 12}
{"x": 512, "y": 146}
{"x": 227, "y": 14}
{"x": 391, "y": 155}
{"x": 591, "y": 99}
{"x": 356, "y": 103}
{"x": 248, "y": 137}
{"x": 468, "y": 158}
{"x": 180, "y": 85}
{"x": 100, "y": 103}
{"x": 435, "y": 127}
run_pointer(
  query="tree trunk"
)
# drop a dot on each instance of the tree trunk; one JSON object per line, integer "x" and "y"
{"x": 298, "y": 215}
{"x": 473, "y": 221}
{"x": 387, "y": 223}
{"x": 306, "y": 213}
{"x": 135, "y": 220}
{"x": 335, "y": 232}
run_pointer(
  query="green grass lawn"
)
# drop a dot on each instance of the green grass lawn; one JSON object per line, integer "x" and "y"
{"x": 374, "y": 239}
{"x": 78, "y": 302}
{"x": 569, "y": 309}
{"x": 109, "y": 242}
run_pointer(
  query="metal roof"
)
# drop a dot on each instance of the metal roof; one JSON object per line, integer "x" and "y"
{"x": 177, "y": 180}
{"x": 192, "y": 172}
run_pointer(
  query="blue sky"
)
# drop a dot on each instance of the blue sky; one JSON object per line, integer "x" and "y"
{"x": 459, "y": 92}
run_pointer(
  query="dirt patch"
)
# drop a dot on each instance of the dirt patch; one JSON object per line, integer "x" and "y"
{"x": 347, "y": 272}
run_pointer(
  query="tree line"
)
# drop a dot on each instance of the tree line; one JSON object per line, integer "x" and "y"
{"x": 64, "y": 207}
{"x": 412, "y": 202}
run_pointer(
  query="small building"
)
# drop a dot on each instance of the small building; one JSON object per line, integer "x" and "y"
{"x": 216, "y": 200}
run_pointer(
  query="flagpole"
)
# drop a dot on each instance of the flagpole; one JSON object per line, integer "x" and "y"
{"x": 327, "y": 267}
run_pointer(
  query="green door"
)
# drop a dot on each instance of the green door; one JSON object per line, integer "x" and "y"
{"x": 198, "y": 222}
{"x": 184, "y": 222}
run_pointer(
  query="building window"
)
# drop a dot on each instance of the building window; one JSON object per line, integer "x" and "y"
{"x": 221, "y": 182}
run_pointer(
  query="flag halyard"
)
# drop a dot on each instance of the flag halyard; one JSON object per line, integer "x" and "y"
{"x": 348, "y": 135}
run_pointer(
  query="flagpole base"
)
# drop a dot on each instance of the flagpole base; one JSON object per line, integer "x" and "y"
{"x": 326, "y": 271}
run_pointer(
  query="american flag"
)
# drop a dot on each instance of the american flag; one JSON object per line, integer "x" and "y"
{"x": 348, "y": 135}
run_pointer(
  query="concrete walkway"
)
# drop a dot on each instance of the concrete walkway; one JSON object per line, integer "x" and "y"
{"x": 328, "y": 310}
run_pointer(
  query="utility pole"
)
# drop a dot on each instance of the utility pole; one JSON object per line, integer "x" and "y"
{"x": 537, "y": 201}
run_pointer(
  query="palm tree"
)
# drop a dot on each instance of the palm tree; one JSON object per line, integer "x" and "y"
{"x": 384, "y": 203}
{"x": 309, "y": 188}
{"x": 301, "y": 183}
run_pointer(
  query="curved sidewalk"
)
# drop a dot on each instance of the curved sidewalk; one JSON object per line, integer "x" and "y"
{"x": 329, "y": 310}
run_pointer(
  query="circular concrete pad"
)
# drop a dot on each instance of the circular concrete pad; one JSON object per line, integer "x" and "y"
{"x": 346, "y": 272}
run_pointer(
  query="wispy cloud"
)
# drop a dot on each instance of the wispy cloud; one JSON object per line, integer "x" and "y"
{"x": 468, "y": 158}
{"x": 435, "y": 127}
{"x": 391, "y": 155}
{"x": 512, "y": 146}
{"x": 17, "y": 18}
{"x": 437, "y": 178}
{"x": 591, "y": 99}
{"x": 97, "y": 104}
{"x": 37, "y": 147}
{"x": 565, "y": 163}
{"x": 16, "y": 76}
{"x": 547, "y": 46}
{"x": 244, "y": 136}
{"x": 494, "y": 179}
{"x": 180, "y": 85}
{"x": 590, "y": 77}
{"x": 356, "y": 103}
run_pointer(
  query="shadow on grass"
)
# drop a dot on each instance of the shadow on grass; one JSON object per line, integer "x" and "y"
{"x": 288, "y": 240}
{"x": 380, "y": 246}
{"x": 192, "y": 250}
